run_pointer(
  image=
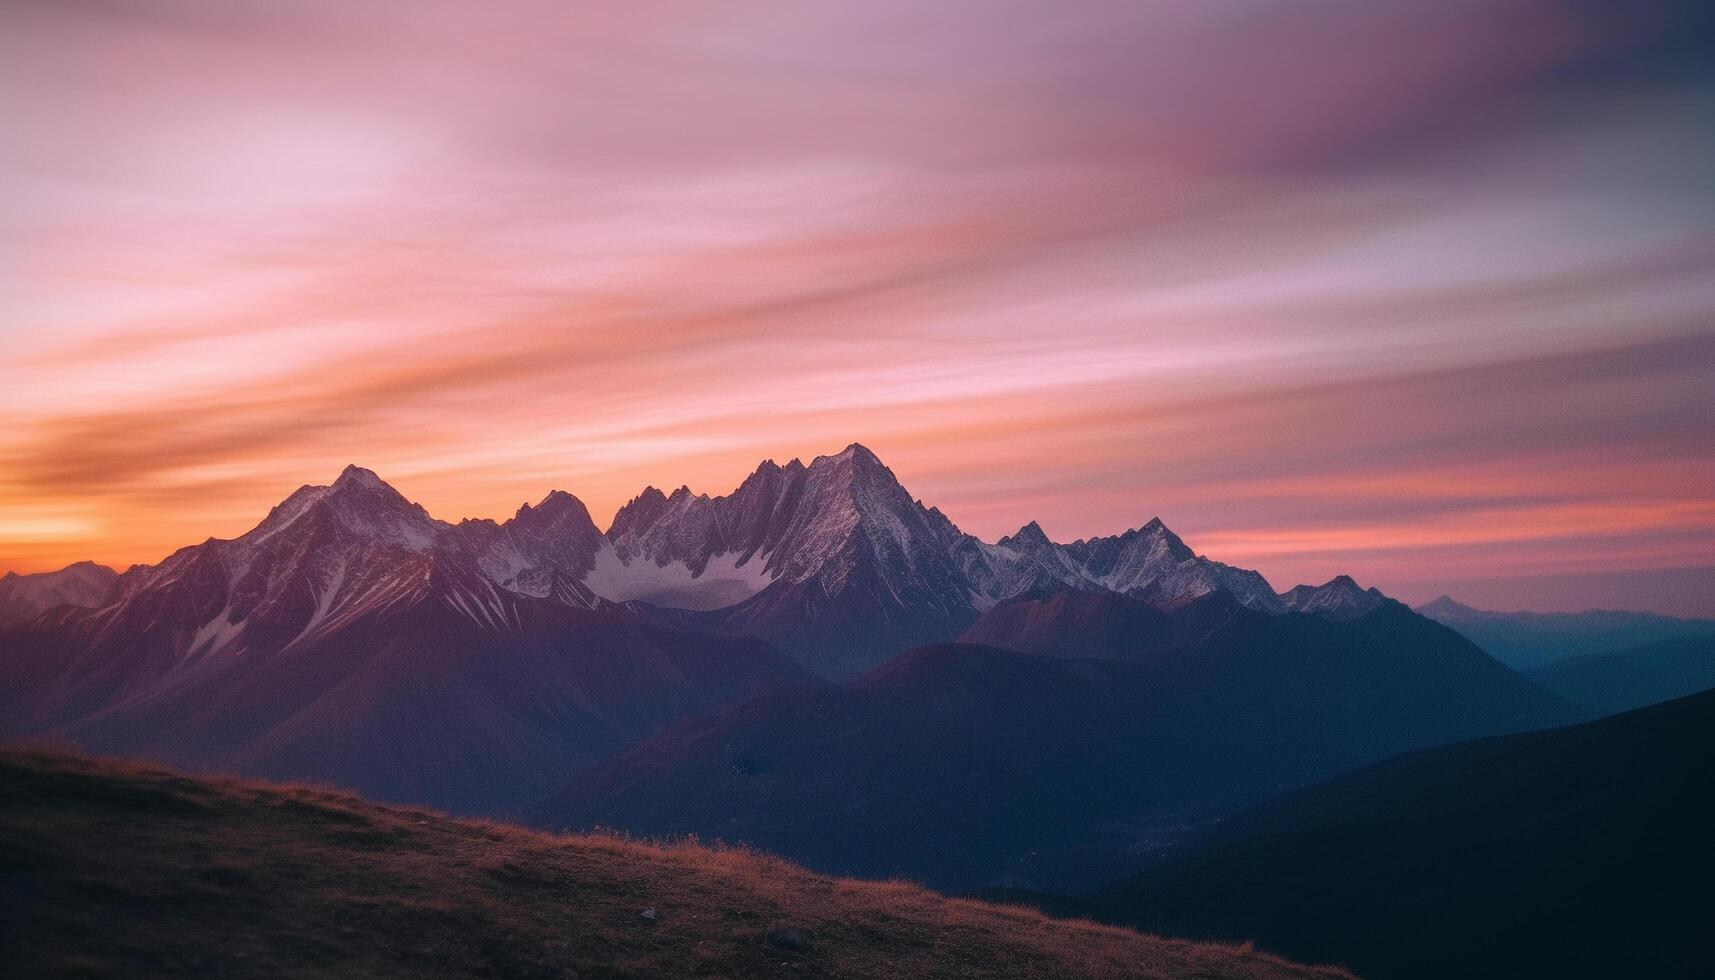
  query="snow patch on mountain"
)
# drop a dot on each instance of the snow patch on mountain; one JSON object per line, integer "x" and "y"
{"x": 723, "y": 580}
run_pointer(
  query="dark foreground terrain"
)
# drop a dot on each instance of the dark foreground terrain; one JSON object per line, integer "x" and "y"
{"x": 116, "y": 869}
{"x": 1580, "y": 852}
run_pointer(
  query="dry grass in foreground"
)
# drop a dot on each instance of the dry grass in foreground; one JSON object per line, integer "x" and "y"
{"x": 118, "y": 869}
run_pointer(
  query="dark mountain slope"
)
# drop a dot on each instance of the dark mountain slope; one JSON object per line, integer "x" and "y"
{"x": 419, "y": 704}
{"x": 1578, "y": 852}
{"x": 127, "y": 871}
{"x": 1636, "y": 677}
{"x": 1076, "y": 623}
{"x": 964, "y": 766}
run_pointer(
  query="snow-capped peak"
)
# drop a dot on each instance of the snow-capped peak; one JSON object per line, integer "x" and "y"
{"x": 357, "y": 476}
{"x": 1341, "y": 597}
{"x": 1027, "y": 537}
{"x": 558, "y": 505}
{"x": 23, "y": 597}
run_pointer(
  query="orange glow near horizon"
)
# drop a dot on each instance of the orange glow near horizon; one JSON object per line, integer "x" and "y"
{"x": 1420, "y": 315}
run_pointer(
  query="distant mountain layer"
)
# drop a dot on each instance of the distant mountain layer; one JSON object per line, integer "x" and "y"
{"x": 1579, "y": 852}
{"x": 116, "y": 870}
{"x": 965, "y": 765}
{"x": 1527, "y": 641}
{"x": 24, "y": 597}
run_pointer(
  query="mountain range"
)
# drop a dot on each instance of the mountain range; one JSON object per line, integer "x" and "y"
{"x": 833, "y": 562}
{"x": 1606, "y": 661}
{"x": 776, "y": 665}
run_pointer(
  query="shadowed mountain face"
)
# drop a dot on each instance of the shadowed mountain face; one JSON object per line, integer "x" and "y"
{"x": 414, "y": 704}
{"x": 1579, "y": 852}
{"x": 964, "y": 765}
{"x": 1083, "y": 624}
{"x": 1527, "y": 641}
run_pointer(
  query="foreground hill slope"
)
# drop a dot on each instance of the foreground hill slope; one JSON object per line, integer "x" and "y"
{"x": 116, "y": 869}
{"x": 1578, "y": 852}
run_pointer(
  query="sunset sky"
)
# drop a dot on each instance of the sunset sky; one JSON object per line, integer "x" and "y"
{"x": 1419, "y": 291}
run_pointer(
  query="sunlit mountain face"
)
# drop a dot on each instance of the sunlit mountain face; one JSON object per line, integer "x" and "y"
{"x": 1417, "y": 292}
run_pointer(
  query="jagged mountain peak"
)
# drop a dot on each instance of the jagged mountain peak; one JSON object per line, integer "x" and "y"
{"x": 860, "y": 474}
{"x": 84, "y": 584}
{"x": 1154, "y": 535}
{"x": 557, "y": 505}
{"x": 358, "y": 504}
{"x": 1156, "y": 564}
{"x": 1445, "y": 606}
{"x": 1156, "y": 529}
{"x": 1029, "y": 536}
{"x": 358, "y": 476}
{"x": 1341, "y": 597}
{"x": 856, "y": 451}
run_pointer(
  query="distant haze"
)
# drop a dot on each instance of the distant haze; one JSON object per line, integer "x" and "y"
{"x": 1419, "y": 292}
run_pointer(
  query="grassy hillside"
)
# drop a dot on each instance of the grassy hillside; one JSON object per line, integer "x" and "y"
{"x": 118, "y": 869}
